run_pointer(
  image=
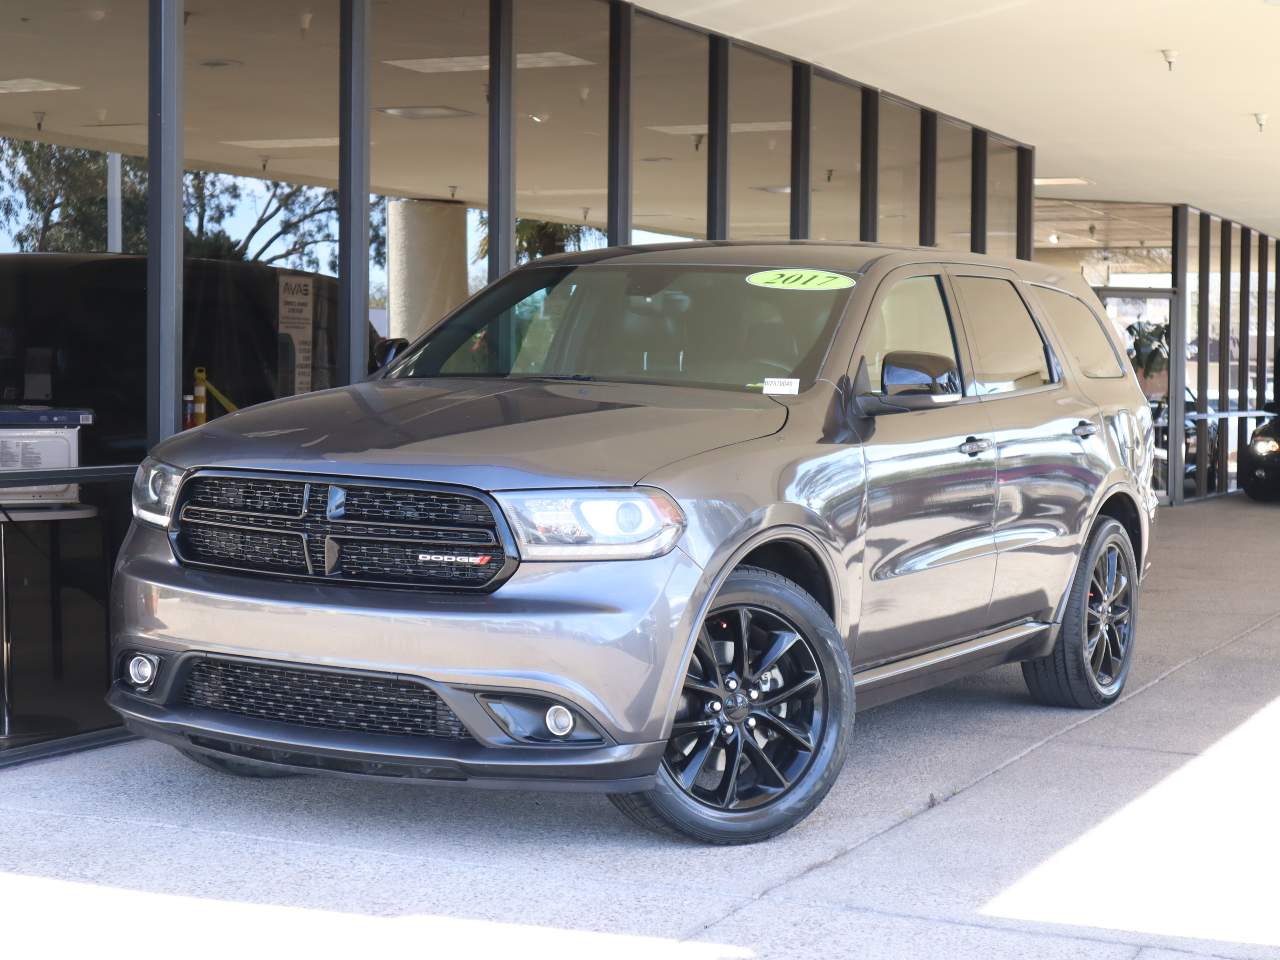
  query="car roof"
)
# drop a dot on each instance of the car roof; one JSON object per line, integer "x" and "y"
{"x": 847, "y": 257}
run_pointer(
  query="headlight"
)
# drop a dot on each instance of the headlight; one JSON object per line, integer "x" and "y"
{"x": 155, "y": 486}
{"x": 1265, "y": 446}
{"x": 631, "y": 524}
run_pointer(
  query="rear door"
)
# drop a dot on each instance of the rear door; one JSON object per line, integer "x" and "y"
{"x": 1045, "y": 475}
{"x": 930, "y": 558}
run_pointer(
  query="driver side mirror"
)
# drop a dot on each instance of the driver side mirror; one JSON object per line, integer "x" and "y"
{"x": 386, "y": 350}
{"x": 910, "y": 381}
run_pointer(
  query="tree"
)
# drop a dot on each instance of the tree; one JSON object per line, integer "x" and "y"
{"x": 541, "y": 238}
{"x": 54, "y": 198}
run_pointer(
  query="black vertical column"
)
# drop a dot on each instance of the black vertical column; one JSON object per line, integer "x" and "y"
{"x": 869, "y": 199}
{"x": 621, "y": 18}
{"x": 1026, "y": 242}
{"x": 1202, "y": 355}
{"x": 1242, "y": 370}
{"x": 1176, "y": 433}
{"x": 502, "y": 186}
{"x": 164, "y": 219}
{"x": 978, "y": 193}
{"x": 353, "y": 192}
{"x": 718, "y": 139}
{"x": 1224, "y": 355}
{"x": 928, "y": 178}
{"x": 801, "y": 129}
{"x": 1264, "y": 316}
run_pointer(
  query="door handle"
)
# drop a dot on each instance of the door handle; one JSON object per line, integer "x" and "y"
{"x": 974, "y": 446}
{"x": 1085, "y": 428}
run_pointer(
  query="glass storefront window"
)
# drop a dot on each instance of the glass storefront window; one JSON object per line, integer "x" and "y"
{"x": 835, "y": 160}
{"x": 561, "y": 111}
{"x": 429, "y": 139}
{"x": 73, "y": 370}
{"x": 1002, "y": 199}
{"x": 1109, "y": 244}
{"x": 898, "y": 218}
{"x": 955, "y": 184}
{"x": 669, "y": 131}
{"x": 759, "y": 146}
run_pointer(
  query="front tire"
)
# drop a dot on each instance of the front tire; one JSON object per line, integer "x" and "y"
{"x": 1091, "y": 658}
{"x": 764, "y": 719}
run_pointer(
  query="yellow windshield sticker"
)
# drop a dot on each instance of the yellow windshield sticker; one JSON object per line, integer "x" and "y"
{"x": 797, "y": 279}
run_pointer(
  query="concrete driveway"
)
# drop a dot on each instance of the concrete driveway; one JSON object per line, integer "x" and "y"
{"x": 968, "y": 823}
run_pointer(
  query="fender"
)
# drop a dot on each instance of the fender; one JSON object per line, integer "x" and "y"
{"x": 1105, "y": 492}
{"x": 710, "y": 588}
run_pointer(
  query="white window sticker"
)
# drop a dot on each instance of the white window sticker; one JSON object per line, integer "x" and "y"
{"x": 781, "y": 385}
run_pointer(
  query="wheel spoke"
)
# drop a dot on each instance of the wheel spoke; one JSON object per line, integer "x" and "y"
{"x": 708, "y": 650}
{"x": 742, "y": 652}
{"x": 783, "y": 640}
{"x": 688, "y": 726}
{"x": 697, "y": 761}
{"x": 764, "y": 766}
{"x": 1122, "y": 584}
{"x": 727, "y": 795}
{"x": 809, "y": 682}
{"x": 1097, "y": 651}
{"x": 795, "y": 734}
{"x": 1112, "y": 559}
{"x": 1120, "y": 616}
{"x": 702, "y": 689}
{"x": 1115, "y": 648}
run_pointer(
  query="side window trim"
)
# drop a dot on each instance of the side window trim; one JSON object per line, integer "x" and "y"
{"x": 950, "y": 303}
{"x": 962, "y": 270}
{"x": 1102, "y": 327}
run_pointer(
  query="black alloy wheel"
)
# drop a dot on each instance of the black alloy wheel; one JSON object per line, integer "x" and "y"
{"x": 751, "y": 711}
{"x": 1108, "y": 621}
{"x": 1091, "y": 657}
{"x": 762, "y": 722}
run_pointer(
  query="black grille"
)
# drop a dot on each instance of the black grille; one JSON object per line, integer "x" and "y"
{"x": 319, "y": 698}
{"x": 334, "y": 530}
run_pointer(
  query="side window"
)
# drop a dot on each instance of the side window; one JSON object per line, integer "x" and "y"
{"x": 1080, "y": 331}
{"x": 1008, "y": 352}
{"x": 912, "y": 318}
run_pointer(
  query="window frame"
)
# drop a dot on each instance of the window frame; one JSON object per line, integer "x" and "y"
{"x": 959, "y": 271}
{"x": 1102, "y": 328}
{"x": 950, "y": 303}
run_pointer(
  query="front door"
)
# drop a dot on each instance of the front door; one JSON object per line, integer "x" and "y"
{"x": 930, "y": 559}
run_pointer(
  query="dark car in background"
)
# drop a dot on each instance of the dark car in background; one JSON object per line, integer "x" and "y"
{"x": 73, "y": 333}
{"x": 1259, "y": 462}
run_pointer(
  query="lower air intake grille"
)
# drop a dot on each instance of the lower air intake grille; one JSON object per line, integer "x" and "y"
{"x": 320, "y": 698}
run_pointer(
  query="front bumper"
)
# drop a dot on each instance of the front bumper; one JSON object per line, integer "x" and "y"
{"x": 607, "y": 639}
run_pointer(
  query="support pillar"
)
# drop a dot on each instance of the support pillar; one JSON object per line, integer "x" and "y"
{"x": 426, "y": 263}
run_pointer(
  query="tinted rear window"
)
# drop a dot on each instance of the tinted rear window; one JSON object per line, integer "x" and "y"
{"x": 1081, "y": 333}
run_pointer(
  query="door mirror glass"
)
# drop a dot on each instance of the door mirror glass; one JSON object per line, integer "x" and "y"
{"x": 907, "y": 373}
{"x": 386, "y": 350}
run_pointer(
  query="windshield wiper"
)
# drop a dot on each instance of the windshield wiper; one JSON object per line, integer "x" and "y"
{"x": 563, "y": 376}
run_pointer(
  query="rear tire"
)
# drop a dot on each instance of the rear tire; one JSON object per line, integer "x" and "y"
{"x": 762, "y": 727}
{"x": 238, "y": 768}
{"x": 1090, "y": 661}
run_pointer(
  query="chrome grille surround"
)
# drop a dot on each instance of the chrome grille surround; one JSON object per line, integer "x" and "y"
{"x": 343, "y": 530}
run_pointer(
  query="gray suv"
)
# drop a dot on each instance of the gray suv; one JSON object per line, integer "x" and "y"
{"x": 646, "y": 521}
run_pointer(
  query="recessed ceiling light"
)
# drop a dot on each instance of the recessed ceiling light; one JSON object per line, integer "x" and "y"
{"x": 1062, "y": 182}
{"x": 655, "y": 159}
{"x": 781, "y": 188}
{"x": 1053, "y": 238}
{"x": 524, "y": 61}
{"x": 536, "y": 118}
{"x": 218, "y": 63}
{"x": 283, "y": 144}
{"x": 433, "y": 112}
{"x": 32, "y": 85}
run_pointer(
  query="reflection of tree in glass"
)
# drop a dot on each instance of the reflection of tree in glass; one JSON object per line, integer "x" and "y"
{"x": 542, "y": 238}
{"x": 53, "y": 198}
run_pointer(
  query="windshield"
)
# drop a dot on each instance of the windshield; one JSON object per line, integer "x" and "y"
{"x": 728, "y": 328}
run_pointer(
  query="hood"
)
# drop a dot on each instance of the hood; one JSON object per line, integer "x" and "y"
{"x": 491, "y": 434}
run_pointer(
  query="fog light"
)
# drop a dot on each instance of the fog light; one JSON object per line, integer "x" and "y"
{"x": 141, "y": 669}
{"x": 559, "y": 720}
